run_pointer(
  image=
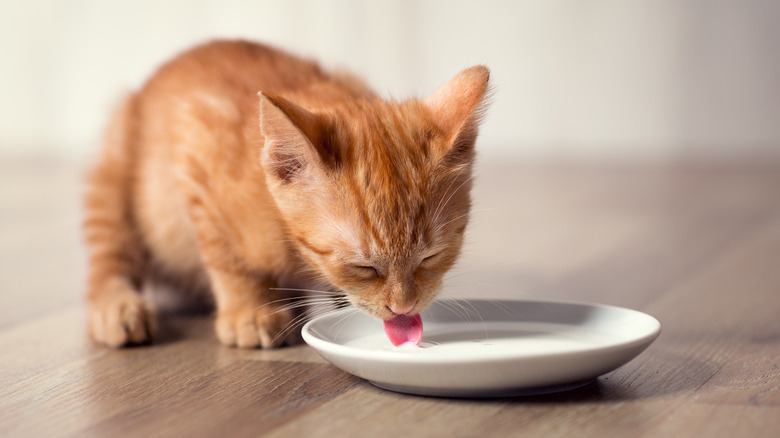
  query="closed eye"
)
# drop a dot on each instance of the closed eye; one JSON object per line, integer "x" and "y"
{"x": 430, "y": 259}
{"x": 365, "y": 272}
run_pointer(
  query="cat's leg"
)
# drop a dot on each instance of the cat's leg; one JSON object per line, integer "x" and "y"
{"x": 118, "y": 314}
{"x": 249, "y": 313}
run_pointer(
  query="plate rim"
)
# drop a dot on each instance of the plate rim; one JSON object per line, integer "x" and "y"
{"x": 411, "y": 359}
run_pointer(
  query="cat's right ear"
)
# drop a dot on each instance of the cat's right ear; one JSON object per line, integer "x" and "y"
{"x": 457, "y": 107}
{"x": 291, "y": 134}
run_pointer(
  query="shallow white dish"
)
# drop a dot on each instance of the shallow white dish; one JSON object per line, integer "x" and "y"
{"x": 487, "y": 348}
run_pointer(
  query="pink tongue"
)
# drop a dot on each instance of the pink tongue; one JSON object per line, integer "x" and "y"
{"x": 404, "y": 328}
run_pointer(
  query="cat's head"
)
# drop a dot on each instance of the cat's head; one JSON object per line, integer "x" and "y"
{"x": 376, "y": 194}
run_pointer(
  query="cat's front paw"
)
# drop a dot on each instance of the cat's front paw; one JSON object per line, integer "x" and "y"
{"x": 121, "y": 319}
{"x": 260, "y": 327}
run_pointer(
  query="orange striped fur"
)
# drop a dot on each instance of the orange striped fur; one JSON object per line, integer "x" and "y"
{"x": 239, "y": 169}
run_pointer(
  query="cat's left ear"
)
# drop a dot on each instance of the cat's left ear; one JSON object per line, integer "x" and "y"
{"x": 292, "y": 136}
{"x": 457, "y": 108}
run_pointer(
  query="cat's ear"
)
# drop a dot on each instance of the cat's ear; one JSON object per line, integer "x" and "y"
{"x": 291, "y": 134}
{"x": 457, "y": 107}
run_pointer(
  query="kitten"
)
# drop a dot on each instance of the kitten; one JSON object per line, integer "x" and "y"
{"x": 238, "y": 169}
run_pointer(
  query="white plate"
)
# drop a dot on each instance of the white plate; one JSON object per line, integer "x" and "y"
{"x": 483, "y": 348}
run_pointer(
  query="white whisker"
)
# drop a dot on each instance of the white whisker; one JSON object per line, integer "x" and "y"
{"x": 456, "y": 308}
{"x": 441, "y": 201}
{"x": 348, "y": 313}
{"x": 297, "y": 322}
{"x": 476, "y": 312}
{"x": 316, "y": 291}
{"x": 443, "y": 205}
{"x": 498, "y": 304}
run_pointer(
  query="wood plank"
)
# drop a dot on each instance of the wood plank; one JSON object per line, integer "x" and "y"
{"x": 722, "y": 421}
{"x": 87, "y": 389}
{"x": 697, "y": 246}
{"x": 42, "y": 263}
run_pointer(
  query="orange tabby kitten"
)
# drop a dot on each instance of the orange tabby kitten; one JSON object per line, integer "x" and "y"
{"x": 239, "y": 169}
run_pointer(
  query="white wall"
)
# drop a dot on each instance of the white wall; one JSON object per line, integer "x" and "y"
{"x": 583, "y": 79}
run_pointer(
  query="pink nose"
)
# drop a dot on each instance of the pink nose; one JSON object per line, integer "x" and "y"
{"x": 399, "y": 309}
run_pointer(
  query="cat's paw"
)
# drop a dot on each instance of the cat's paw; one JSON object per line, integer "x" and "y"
{"x": 121, "y": 319}
{"x": 260, "y": 327}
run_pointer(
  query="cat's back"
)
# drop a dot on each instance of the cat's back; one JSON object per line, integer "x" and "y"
{"x": 198, "y": 138}
{"x": 239, "y": 68}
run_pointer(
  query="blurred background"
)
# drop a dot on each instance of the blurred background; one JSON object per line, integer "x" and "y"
{"x": 584, "y": 80}
{"x": 631, "y": 157}
{"x": 595, "y": 101}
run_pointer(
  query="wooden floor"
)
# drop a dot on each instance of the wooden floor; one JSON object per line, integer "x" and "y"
{"x": 695, "y": 245}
